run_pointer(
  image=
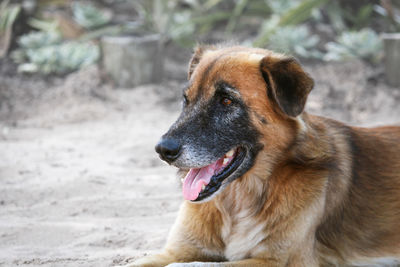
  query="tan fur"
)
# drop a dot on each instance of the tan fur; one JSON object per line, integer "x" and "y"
{"x": 319, "y": 194}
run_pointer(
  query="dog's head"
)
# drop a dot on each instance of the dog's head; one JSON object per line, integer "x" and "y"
{"x": 239, "y": 107}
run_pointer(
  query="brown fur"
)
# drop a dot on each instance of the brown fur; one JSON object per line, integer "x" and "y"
{"x": 319, "y": 194}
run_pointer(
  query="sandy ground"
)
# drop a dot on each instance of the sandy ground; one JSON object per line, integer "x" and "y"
{"x": 80, "y": 183}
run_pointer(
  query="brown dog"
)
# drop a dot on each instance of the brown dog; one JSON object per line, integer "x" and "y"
{"x": 270, "y": 185}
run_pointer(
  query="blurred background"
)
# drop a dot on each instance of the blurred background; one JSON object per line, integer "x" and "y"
{"x": 88, "y": 87}
{"x": 133, "y": 42}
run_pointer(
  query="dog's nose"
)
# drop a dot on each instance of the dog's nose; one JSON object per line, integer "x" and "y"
{"x": 168, "y": 149}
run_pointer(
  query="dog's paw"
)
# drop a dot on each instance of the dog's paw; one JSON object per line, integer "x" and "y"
{"x": 127, "y": 265}
{"x": 195, "y": 264}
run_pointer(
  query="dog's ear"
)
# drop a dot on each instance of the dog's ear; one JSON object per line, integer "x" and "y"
{"x": 288, "y": 84}
{"x": 198, "y": 53}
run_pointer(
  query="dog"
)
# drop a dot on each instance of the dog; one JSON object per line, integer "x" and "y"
{"x": 265, "y": 183}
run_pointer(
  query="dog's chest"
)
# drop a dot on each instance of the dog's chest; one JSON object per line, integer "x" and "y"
{"x": 242, "y": 235}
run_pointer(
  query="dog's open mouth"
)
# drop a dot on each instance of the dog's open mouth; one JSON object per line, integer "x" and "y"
{"x": 203, "y": 182}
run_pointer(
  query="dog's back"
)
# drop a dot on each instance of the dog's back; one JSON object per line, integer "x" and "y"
{"x": 366, "y": 223}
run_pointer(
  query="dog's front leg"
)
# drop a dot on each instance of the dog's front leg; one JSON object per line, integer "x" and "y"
{"x": 158, "y": 260}
{"x": 170, "y": 255}
{"x": 241, "y": 263}
{"x": 250, "y": 263}
{"x": 192, "y": 238}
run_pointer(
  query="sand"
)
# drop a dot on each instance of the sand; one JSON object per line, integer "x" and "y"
{"x": 80, "y": 183}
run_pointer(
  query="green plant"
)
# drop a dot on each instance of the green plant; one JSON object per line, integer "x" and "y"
{"x": 155, "y": 15}
{"x": 184, "y": 21}
{"x": 89, "y": 16}
{"x": 35, "y": 40}
{"x": 8, "y": 15}
{"x": 43, "y": 25}
{"x": 44, "y": 52}
{"x": 182, "y": 29}
{"x": 295, "y": 40}
{"x": 168, "y": 19}
{"x": 361, "y": 18}
{"x": 342, "y": 18}
{"x": 281, "y": 7}
{"x": 391, "y": 12}
{"x": 364, "y": 44}
{"x": 237, "y": 12}
{"x": 292, "y": 13}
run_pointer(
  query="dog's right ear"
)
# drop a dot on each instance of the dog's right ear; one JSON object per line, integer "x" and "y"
{"x": 288, "y": 84}
{"x": 197, "y": 55}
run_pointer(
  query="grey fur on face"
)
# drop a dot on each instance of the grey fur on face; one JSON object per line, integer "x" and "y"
{"x": 206, "y": 130}
{"x": 193, "y": 157}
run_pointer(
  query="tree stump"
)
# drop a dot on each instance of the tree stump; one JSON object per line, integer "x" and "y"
{"x": 133, "y": 60}
{"x": 392, "y": 58}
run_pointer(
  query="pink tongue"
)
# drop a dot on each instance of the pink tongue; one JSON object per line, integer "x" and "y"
{"x": 196, "y": 178}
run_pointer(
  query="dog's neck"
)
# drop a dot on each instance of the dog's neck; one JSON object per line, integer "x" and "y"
{"x": 312, "y": 148}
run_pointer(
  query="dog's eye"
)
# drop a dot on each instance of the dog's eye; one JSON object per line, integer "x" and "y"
{"x": 226, "y": 101}
{"x": 185, "y": 100}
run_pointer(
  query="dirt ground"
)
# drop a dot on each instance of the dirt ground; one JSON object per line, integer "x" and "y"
{"x": 80, "y": 183}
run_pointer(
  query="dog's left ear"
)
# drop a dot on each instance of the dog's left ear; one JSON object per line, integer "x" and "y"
{"x": 198, "y": 52}
{"x": 288, "y": 84}
{"x": 197, "y": 55}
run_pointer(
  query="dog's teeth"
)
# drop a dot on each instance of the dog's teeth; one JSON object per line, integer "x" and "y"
{"x": 203, "y": 187}
{"x": 225, "y": 161}
{"x": 229, "y": 154}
